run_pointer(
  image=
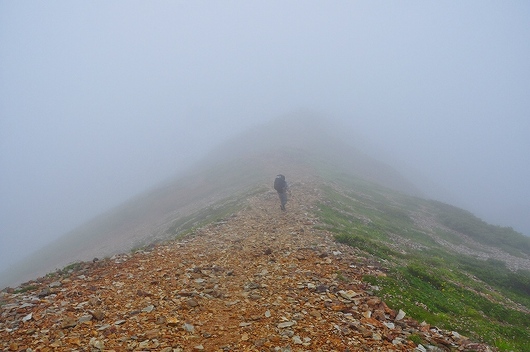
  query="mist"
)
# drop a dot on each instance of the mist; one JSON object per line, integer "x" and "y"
{"x": 100, "y": 101}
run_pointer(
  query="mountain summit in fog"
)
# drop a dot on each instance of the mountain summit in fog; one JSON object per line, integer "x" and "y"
{"x": 297, "y": 145}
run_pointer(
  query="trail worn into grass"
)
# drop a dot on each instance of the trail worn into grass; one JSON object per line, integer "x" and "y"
{"x": 259, "y": 280}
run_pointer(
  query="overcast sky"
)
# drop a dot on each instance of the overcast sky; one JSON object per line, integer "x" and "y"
{"x": 100, "y": 100}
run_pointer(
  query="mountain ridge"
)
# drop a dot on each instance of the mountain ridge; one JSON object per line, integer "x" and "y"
{"x": 435, "y": 261}
{"x": 389, "y": 242}
{"x": 259, "y": 279}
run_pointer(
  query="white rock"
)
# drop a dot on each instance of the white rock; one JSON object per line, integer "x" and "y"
{"x": 348, "y": 294}
{"x": 420, "y": 348}
{"x": 397, "y": 341}
{"x": 27, "y": 317}
{"x": 401, "y": 314}
{"x": 389, "y": 325}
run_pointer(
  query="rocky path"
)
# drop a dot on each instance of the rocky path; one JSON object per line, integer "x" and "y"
{"x": 260, "y": 280}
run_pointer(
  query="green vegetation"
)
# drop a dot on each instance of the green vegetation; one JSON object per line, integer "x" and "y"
{"x": 481, "y": 299}
{"x": 415, "y": 338}
{"x": 26, "y": 289}
{"x": 71, "y": 267}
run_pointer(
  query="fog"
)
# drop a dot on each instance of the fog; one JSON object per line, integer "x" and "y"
{"x": 101, "y": 100}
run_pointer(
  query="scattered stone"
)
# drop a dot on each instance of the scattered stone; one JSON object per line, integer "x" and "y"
{"x": 148, "y": 309}
{"x": 44, "y": 292}
{"x": 144, "y": 344}
{"x": 188, "y": 327}
{"x": 367, "y": 314}
{"x": 97, "y": 314}
{"x": 173, "y": 321}
{"x": 252, "y": 286}
{"x": 143, "y": 293}
{"x": 288, "y": 333}
{"x": 322, "y": 288}
{"x": 389, "y": 325}
{"x": 151, "y": 334}
{"x": 349, "y": 295}
{"x": 68, "y": 322}
{"x": 286, "y": 324}
{"x": 192, "y": 303}
{"x": 297, "y": 340}
{"x": 420, "y": 348}
{"x": 98, "y": 344}
{"x": 315, "y": 313}
{"x": 84, "y": 319}
{"x": 401, "y": 314}
{"x": 254, "y": 296}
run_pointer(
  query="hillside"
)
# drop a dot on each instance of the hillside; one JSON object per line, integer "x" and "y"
{"x": 258, "y": 279}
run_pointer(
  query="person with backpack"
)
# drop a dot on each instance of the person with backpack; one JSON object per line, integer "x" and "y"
{"x": 280, "y": 185}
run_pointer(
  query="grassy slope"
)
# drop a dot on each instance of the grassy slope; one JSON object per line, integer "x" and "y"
{"x": 480, "y": 298}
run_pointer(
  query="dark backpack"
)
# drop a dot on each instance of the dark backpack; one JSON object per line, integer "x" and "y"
{"x": 279, "y": 183}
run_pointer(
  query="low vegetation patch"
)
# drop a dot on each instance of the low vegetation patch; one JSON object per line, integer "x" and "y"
{"x": 481, "y": 299}
{"x": 28, "y": 288}
{"x": 463, "y": 221}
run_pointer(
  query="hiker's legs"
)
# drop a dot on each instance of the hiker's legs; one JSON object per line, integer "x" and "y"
{"x": 283, "y": 199}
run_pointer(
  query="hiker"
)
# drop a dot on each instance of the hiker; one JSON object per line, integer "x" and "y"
{"x": 281, "y": 187}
